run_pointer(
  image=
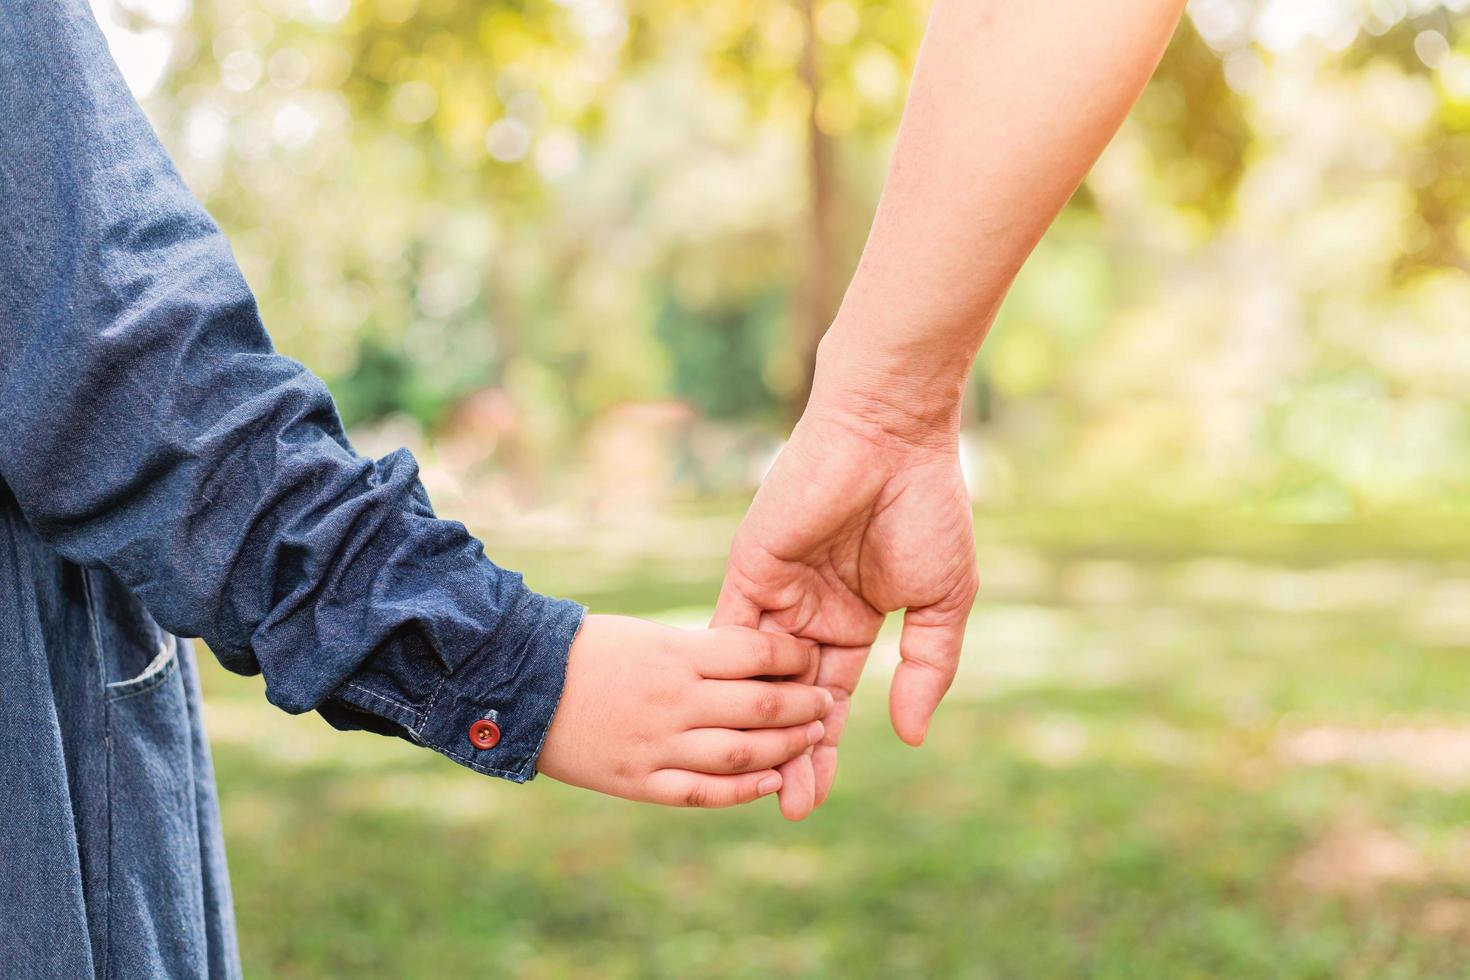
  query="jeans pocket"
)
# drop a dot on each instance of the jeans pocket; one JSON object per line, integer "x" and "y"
{"x": 160, "y": 669}
{"x": 155, "y": 897}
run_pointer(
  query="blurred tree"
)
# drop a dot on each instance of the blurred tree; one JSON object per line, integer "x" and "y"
{"x": 1194, "y": 124}
{"x": 719, "y": 364}
{"x": 576, "y": 203}
{"x": 819, "y": 293}
{"x": 1438, "y": 172}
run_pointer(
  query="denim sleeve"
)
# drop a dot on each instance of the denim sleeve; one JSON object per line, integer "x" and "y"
{"x": 147, "y": 426}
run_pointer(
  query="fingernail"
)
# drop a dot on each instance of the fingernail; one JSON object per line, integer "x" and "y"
{"x": 814, "y": 732}
{"x": 768, "y": 785}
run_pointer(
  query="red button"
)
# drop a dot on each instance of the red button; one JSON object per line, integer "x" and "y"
{"x": 484, "y": 734}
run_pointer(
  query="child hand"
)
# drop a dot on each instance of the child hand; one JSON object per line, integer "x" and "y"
{"x": 678, "y": 717}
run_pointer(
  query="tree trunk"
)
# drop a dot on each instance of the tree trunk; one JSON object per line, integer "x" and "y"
{"x": 818, "y": 302}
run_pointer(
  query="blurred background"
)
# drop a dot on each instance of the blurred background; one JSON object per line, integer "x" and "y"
{"x": 1214, "y": 718}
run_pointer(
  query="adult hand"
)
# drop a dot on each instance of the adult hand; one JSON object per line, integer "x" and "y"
{"x": 864, "y": 512}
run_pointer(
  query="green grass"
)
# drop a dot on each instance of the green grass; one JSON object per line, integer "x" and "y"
{"x": 1110, "y": 791}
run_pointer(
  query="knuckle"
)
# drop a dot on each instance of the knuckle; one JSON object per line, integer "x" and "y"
{"x": 667, "y": 648}
{"x": 697, "y": 796}
{"x": 767, "y": 705}
{"x": 768, "y": 657}
{"x": 739, "y": 757}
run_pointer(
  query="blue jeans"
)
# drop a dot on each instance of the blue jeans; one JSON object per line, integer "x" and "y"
{"x": 165, "y": 473}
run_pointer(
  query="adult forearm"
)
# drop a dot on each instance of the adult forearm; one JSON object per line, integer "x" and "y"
{"x": 1010, "y": 106}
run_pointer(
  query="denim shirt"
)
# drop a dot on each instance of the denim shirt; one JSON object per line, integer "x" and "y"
{"x": 164, "y": 473}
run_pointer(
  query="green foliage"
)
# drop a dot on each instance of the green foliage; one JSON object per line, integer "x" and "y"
{"x": 1195, "y": 125}
{"x": 718, "y": 357}
{"x": 1258, "y": 299}
{"x": 375, "y": 387}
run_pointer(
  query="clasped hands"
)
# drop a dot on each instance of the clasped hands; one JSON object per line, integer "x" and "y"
{"x": 864, "y": 512}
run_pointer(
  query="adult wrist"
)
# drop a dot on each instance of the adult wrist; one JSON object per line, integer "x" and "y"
{"x": 914, "y": 399}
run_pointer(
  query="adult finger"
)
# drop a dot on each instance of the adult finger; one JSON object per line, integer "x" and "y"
{"x": 733, "y": 608}
{"x": 808, "y": 780}
{"x": 839, "y": 671}
{"x": 798, "y": 796}
{"x": 768, "y": 624}
{"x": 930, "y": 648}
{"x": 734, "y": 652}
{"x": 681, "y": 787}
{"x": 824, "y": 753}
{"x": 757, "y": 704}
{"x": 720, "y": 750}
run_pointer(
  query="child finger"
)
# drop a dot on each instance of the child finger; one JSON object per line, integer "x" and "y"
{"x": 681, "y": 787}
{"x": 735, "y": 652}
{"x": 768, "y": 624}
{"x": 720, "y": 750}
{"x": 757, "y": 704}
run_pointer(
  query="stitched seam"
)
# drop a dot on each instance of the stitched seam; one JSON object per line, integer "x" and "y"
{"x": 446, "y": 750}
{"x": 478, "y": 767}
{"x": 565, "y": 665}
{"x": 92, "y": 618}
{"x": 484, "y": 650}
{"x": 156, "y": 679}
{"x": 153, "y": 682}
{"x": 526, "y": 764}
{"x": 111, "y": 848}
{"x": 433, "y": 702}
{"x": 526, "y": 769}
{"x": 417, "y": 718}
{"x": 106, "y": 774}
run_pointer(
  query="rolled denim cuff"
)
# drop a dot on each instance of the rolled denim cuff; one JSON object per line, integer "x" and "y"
{"x": 514, "y": 684}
